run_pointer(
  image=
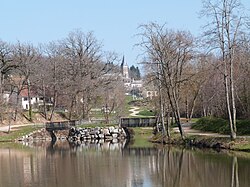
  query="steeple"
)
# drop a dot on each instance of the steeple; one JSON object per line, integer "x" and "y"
{"x": 124, "y": 68}
{"x": 122, "y": 64}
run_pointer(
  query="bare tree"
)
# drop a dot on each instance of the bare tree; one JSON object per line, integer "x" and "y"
{"x": 222, "y": 34}
{"x": 25, "y": 55}
{"x": 84, "y": 66}
{"x": 170, "y": 51}
{"x": 6, "y": 66}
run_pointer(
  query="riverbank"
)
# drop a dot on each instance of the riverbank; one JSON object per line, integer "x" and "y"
{"x": 141, "y": 137}
{"x": 204, "y": 141}
{"x": 17, "y": 132}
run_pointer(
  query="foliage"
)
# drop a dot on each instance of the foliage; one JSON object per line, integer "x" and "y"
{"x": 135, "y": 73}
{"x": 219, "y": 125}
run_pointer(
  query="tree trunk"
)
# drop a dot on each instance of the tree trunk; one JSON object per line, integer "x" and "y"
{"x": 168, "y": 122}
{"x": 29, "y": 100}
{"x": 186, "y": 103}
{"x": 177, "y": 115}
{"x": 192, "y": 106}
{"x": 44, "y": 101}
{"x": 232, "y": 133}
{"x": 16, "y": 106}
{"x": 233, "y": 96}
{"x": 71, "y": 108}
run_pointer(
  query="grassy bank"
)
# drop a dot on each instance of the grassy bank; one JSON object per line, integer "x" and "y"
{"x": 17, "y": 133}
{"x": 240, "y": 144}
{"x": 218, "y": 125}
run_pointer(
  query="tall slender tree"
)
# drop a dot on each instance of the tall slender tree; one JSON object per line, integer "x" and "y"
{"x": 222, "y": 33}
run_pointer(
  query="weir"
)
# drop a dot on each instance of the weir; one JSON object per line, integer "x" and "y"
{"x": 52, "y": 127}
{"x": 138, "y": 122}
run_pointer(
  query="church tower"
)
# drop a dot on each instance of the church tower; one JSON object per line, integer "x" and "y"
{"x": 125, "y": 69}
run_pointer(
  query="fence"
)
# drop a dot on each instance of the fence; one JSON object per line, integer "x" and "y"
{"x": 60, "y": 125}
{"x": 138, "y": 122}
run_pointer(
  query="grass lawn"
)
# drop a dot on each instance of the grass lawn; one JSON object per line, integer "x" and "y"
{"x": 96, "y": 125}
{"x": 17, "y": 133}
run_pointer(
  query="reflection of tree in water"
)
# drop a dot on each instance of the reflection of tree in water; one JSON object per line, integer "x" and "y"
{"x": 178, "y": 168}
{"x": 235, "y": 173}
{"x": 93, "y": 165}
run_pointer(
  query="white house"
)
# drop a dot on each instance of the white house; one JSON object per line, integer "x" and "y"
{"x": 35, "y": 99}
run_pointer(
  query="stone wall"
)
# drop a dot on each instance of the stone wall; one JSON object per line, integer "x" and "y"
{"x": 97, "y": 133}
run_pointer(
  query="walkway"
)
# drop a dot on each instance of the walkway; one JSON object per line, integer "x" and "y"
{"x": 134, "y": 111}
{"x": 187, "y": 130}
{"x": 6, "y": 127}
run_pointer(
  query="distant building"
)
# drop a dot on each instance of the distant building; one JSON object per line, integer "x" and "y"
{"x": 136, "y": 88}
{"x": 149, "y": 94}
{"x": 129, "y": 83}
{"x": 35, "y": 99}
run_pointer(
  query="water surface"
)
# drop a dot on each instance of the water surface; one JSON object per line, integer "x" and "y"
{"x": 112, "y": 165}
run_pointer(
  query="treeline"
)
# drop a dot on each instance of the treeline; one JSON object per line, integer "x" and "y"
{"x": 73, "y": 74}
{"x": 204, "y": 76}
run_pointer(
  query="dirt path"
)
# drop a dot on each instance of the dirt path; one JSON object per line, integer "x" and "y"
{"x": 134, "y": 111}
{"x": 187, "y": 130}
{"x": 6, "y": 127}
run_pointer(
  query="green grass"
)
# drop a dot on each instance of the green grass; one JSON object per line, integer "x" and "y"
{"x": 211, "y": 124}
{"x": 17, "y": 133}
{"x": 194, "y": 120}
{"x": 96, "y": 125}
{"x": 128, "y": 99}
{"x": 146, "y": 113}
{"x": 218, "y": 125}
{"x": 242, "y": 147}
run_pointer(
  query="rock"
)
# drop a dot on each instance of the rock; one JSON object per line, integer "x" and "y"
{"x": 114, "y": 136}
{"x": 101, "y": 136}
{"x": 115, "y": 131}
{"x": 111, "y": 129}
{"x": 109, "y": 137}
{"x": 106, "y": 132}
{"x": 96, "y": 134}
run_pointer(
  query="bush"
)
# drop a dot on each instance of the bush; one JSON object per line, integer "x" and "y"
{"x": 243, "y": 127}
{"x": 218, "y": 125}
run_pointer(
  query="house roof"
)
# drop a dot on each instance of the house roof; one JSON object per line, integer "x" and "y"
{"x": 24, "y": 93}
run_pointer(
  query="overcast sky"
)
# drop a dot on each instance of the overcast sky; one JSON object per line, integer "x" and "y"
{"x": 114, "y": 22}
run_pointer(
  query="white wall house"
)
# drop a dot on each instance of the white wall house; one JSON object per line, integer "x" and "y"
{"x": 136, "y": 84}
{"x": 35, "y": 99}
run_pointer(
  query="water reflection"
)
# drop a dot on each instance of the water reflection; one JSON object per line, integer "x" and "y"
{"x": 115, "y": 165}
{"x": 235, "y": 173}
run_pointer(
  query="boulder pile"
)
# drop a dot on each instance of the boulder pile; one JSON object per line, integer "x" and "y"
{"x": 97, "y": 133}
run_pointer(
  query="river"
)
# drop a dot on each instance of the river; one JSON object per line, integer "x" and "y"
{"x": 112, "y": 165}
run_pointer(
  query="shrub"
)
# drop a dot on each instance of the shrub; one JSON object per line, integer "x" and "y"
{"x": 219, "y": 125}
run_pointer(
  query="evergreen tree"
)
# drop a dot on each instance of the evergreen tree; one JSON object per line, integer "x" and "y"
{"x": 135, "y": 72}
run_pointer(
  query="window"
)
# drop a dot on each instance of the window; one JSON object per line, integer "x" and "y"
{"x": 25, "y": 98}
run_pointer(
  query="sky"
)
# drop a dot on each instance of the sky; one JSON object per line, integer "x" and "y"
{"x": 113, "y": 22}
